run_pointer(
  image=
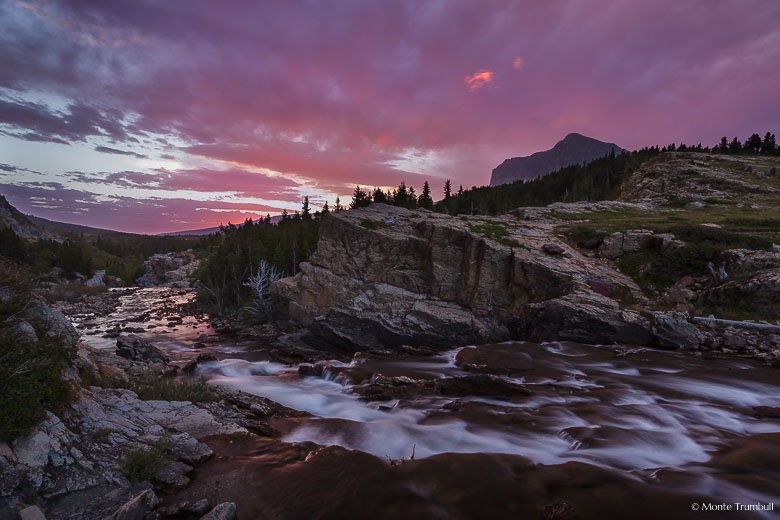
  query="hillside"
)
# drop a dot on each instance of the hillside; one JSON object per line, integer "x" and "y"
{"x": 573, "y": 149}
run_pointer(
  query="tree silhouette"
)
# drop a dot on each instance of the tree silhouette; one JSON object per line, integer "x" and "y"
{"x": 425, "y": 200}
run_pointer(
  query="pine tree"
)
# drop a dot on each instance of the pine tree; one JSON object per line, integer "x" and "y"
{"x": 285, "y": 216}
{"x": 360, "y": 198}
{"x": 768, "y": 146}
{"x": 380, "y": 196}
{"x": 735, "y": 147}
{"x": 401, "y": 196}
{"x": 425, "y": 200}
{"x": 724, "y": 145}
{"x": 753, "y": 144}
{"x": 412, "y": 204}
{"x": 306, "y": 214}
{"x": 447, "y": 190}
{"x": 338, "y": 207}
{"x": 325, "y": 208}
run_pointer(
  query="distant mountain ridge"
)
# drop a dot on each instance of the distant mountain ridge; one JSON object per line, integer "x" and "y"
{"x": 572, "y": 149}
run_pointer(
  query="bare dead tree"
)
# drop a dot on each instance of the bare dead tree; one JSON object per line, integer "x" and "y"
{"x": 260, "y": 283}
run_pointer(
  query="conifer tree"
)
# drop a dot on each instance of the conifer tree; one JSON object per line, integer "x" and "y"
{"x": 425, "y": 200}
{"x": 306, "y": 214}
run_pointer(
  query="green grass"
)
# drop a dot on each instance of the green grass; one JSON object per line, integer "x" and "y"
{"x": 496, "y": 231}
{"x": 152, "y": 387}
{"x": 373, "y": 224}
{"x": 744, "y": 221}
{"x": 102, "y": 434}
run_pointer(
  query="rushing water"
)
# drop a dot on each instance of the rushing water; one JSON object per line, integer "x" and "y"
{"x": 642, "y": 411}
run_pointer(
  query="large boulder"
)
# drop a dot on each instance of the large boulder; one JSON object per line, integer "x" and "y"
{"x": 384, "y": 276}
{"x": 136, "y": 348}
{"x": 587, "y": 317}
{"x": 673, "y": 330}
{"x": 52, "y": 321}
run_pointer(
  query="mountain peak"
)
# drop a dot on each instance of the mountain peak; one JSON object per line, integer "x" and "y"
{"x": 573, "y": 149}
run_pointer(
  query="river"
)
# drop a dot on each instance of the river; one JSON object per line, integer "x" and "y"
{"x": 654, "y": 432}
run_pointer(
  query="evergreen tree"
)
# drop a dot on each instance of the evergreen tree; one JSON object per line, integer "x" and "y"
{"x": 753, "y": 144}
{"x": 401, "y": 196}
{"x": 285, "y": 216}
{"x": 735, "y": 146}
{"x": 325, "y": 208}
{"x": 338, "y": 207}
{"x": 448, "y": 190}
{"x": 412, "y": 200}
{"x": 380, "y": 196}
{"x": 724, "y": 145}
{"x": 360, "y": 198}
{"x": 768, "y": 146}
{"x": 306, "y": 214}
{"x": 425, "y": 200}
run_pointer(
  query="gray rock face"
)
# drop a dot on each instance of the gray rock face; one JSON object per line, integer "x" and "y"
{"x": 224, "y": 511}
{"x": 138, "y": 507}
{"x": 51, "y": 320}
{"x": 573, "y": 149}
{"x": 435, "y": 280}
{"x": 97, "y": 279}
{"x": 673, "y": 330}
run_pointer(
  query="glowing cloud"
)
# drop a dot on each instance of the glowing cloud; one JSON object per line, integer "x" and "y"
{"x": 478, "y": 80}
{"x": 518, "y": 62}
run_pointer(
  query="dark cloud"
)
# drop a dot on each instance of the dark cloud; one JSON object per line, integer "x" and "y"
{"x": 106, "y": 149}
{"x": 37, "y": 122}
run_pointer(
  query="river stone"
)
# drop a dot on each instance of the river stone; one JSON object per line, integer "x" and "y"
{"x": 31, "y": 513}
{"x": 673, "y": 330}
{"x": 224, "y": 511}
{"x": 138, "y": 349}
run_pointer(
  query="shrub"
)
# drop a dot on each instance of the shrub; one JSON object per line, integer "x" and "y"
{"x": 31, "y": 372}
{"x": 152, "y": 387}
{"x": 144, "y": 462}
{"x": 373, "y": 224}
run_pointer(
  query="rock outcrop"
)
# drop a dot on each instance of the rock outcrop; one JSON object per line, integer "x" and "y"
{"x": 385, "y": 276}
{"x": 169, "y": 269}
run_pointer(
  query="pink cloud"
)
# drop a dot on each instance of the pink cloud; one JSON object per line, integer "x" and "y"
{"x": 478, "y": 80}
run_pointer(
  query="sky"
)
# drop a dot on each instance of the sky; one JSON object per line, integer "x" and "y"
{"x": 153, "y": 116}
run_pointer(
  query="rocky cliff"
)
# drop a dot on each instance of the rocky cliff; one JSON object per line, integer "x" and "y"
{"x": 384, "y": 276}
{"x": 573, "y": 149}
